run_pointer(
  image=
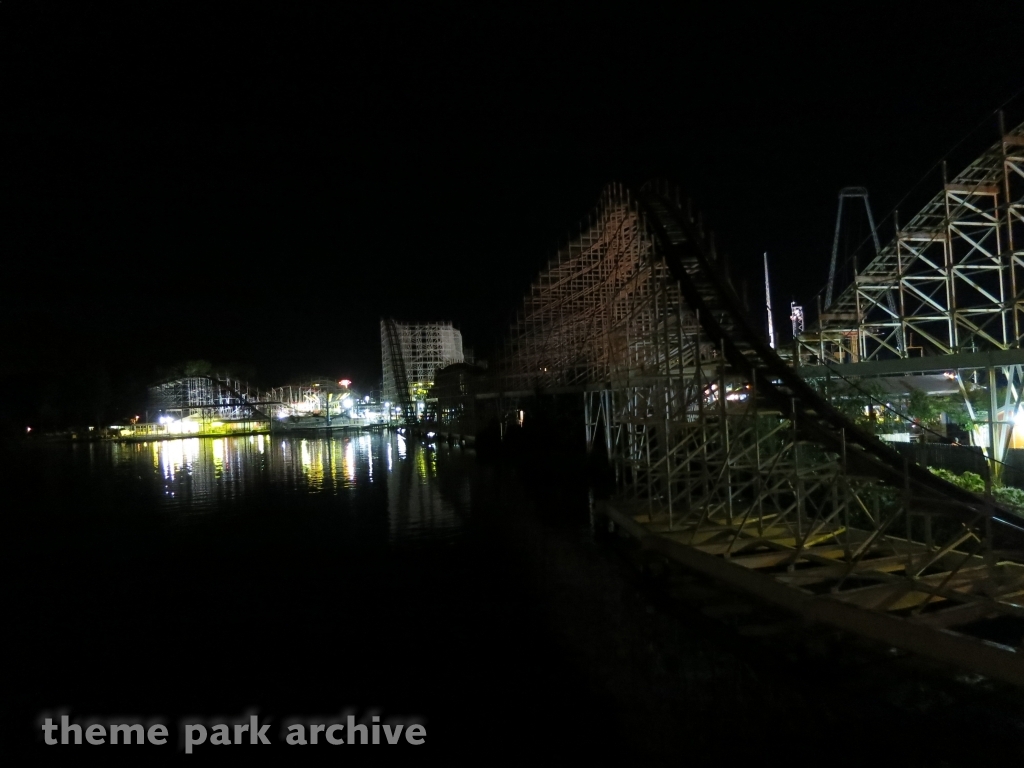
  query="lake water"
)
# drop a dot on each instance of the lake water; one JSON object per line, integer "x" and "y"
{"x": 397, "y": 480}
{"x": 310, "y": 577}
{"x": 297, "y": 576}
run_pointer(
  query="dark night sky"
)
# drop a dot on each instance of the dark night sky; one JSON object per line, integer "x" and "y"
{"x": 261, "y": 185}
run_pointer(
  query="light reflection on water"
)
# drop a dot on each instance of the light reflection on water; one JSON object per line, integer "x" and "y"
{"x": 400, "y": 474}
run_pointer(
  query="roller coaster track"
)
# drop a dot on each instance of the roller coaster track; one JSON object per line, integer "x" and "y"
{"x": 207, "y": 394}
{"x": 728, "y": 461}
{"x": 243, "y": 400}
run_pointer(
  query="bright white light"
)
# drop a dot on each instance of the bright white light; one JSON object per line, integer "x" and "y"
{"x": 346, "y": 403}
{"x": 1018, "y": 418}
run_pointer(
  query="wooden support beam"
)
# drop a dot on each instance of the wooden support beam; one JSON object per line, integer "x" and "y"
{"x": 973, "y": 189}
{"x": 866, "y": 567}
{"x": 922, "y": 236}
{"x": 955, "y": 615}
{"x": 732, "y": 544}
{"x": 901, "y": 594}
{"x": 876, "y": 279}
{"x": 990, "y": 659}
{"x": 772, "y": 559}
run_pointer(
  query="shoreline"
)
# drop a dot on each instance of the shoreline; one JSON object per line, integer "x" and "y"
{"x": 239, "y": 433}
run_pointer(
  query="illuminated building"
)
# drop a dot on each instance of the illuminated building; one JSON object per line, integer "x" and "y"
{"x": 413, "y": 353}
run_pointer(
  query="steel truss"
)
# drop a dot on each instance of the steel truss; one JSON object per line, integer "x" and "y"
{"x": 729, "y": 460}
{"x": 950, "y": 282}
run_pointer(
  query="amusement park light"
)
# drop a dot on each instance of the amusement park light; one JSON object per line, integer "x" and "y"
{"x": 346, "y": 403}
{"x": 346, "y": 383}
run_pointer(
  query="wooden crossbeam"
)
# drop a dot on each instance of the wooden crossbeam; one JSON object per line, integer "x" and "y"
{"x": 778, "y": 557}
{"x": 956, "y": 615}
{"x": 877, "y": 565}
{"x": 902, "y": 594}
{"x": 973, "y": 189}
